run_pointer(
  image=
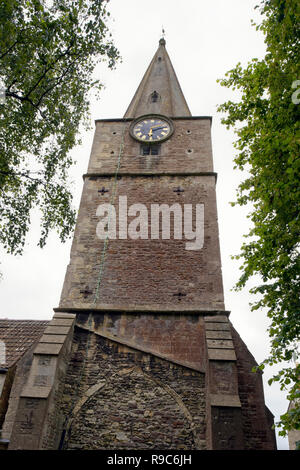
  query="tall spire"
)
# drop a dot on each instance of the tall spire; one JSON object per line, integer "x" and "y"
{"x": 159, "y": 91}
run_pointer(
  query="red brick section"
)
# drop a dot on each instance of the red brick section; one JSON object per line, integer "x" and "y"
{"x": 146, "y": 272}
{"x": 179, "y": 338}
{"x": 256, "y": 417}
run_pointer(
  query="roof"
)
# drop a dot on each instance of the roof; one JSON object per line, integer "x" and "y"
{"x": 16, "y": 337}
{"x": 159, "y": 91}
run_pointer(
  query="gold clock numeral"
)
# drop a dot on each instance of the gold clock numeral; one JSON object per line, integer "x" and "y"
{"x": 163, "y": 133}
{"x": 138, "y": 134}
{"x": 143, "y": 137}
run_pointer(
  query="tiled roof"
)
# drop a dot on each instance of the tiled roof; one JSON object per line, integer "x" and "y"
{"x": 16, "y": 336}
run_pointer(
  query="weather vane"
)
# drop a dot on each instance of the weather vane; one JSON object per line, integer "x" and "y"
{"x": 163, "y": 32}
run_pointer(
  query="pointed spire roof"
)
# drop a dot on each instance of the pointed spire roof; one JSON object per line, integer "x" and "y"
{"x": 159, "y": 91}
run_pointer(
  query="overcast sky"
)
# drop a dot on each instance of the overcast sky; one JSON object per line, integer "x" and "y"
{"x": 204, "y": 40}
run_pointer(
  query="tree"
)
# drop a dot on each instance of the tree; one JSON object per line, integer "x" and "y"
{"x": 48, "y": 52}
{"x": 266, "y": 123}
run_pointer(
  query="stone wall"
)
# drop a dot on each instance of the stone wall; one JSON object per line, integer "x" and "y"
{"x": 120, "y": 398}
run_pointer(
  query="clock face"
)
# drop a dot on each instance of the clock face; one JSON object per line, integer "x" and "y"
{"x": 151, "y": 129}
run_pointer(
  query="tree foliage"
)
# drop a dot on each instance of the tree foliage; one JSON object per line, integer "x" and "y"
{"x": 266, "y": 123}
{"x": 48, "y": 52}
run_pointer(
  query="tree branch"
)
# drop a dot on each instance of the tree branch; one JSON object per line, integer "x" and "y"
{"x": 58, "y": 80}
{"x": 48, "y": 69}
{"x": 16, "y": 175}
{"x": 8, "y": 50}
{"x": 12, "y": 94}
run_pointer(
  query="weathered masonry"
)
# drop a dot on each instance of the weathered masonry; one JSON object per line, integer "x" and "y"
{"x": 140, "y": 353}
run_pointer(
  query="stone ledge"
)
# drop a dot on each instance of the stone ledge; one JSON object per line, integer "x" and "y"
{"x": 216, "y": 319}
{"x": 217, "y": 326}
{"x": 57, "y": 330}
{"x": 221, "y": 355}
{"x": 184, "y": 118}
{"x": 64, "y": 315}
{"x": 143, "y": 310}
{"x": 221, "y": 334}
{"x": 53, "y": 339}
{"x": 225, "y": 400}
{"x": 61, "y": 322}
{"x": 144, "y": 174}
{"x": 48, "y": 348}
{"x": 36, "y": 392}
{"x": 219, "y": 344}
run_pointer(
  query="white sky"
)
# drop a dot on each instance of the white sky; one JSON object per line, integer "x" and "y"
{"x": 205, "y": 39}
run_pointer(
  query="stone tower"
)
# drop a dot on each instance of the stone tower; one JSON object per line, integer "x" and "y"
{"x": 140, "y": 354}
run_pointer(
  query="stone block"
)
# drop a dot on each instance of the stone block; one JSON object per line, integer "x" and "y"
{"x": 57, "y": 330}
{"x": 221, "y": 354}
{"x": 225, "y": 400}
{"x": 61, "y": 322}
{"x": 35, "y": 392}
{"x": 212, "y": 334}
{"x": 48, "y": 348}
{"x": 219, "y": 344}
{"x": 64, "y": 315}
{"x": 217, "y": 326}
{"x": 59, "y": 339}
{"x": 216, "y": 319}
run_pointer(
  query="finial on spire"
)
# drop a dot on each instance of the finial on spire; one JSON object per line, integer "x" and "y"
{"x": 162, "y": 41}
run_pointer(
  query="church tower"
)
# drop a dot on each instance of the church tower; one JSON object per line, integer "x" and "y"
{"x": 140, "y": 353}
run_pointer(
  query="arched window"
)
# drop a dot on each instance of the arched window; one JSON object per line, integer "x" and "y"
{"x": 155, "y": 97}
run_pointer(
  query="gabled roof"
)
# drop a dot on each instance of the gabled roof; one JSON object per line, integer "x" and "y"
{"x": 16, "y": 337}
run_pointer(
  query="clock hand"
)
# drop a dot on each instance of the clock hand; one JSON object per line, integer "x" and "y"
{"x": 157, "y": 129}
